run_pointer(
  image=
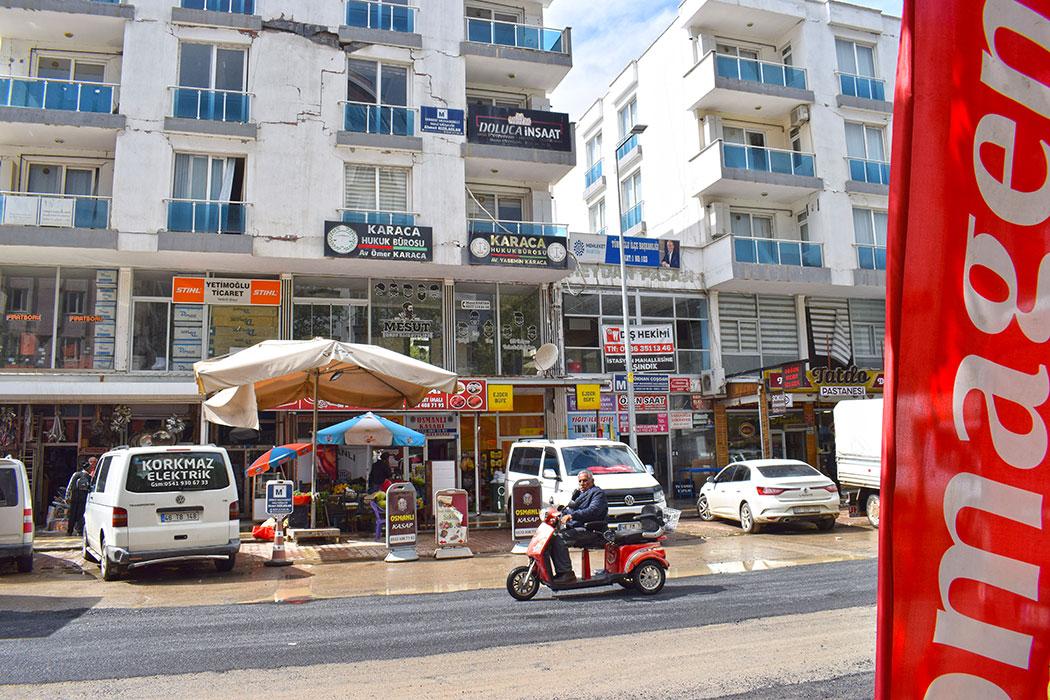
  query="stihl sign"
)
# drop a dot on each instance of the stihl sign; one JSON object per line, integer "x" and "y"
{"x": 964, "y": 588}
{"x": 218, "y": 290}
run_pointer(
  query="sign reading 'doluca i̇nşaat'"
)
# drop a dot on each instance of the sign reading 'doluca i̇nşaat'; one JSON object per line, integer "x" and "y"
{"x": 520, "y": 128}
{"x": 378, "y": 241}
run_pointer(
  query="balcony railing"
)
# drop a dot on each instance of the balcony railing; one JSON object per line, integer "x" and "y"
{"x": 769, "y": 160}
{"x": 770, "y": 251}
{"x": 108, "y": 2}
{"x": 211, "y": 105}
{"x": 764, "y": 72}
{"x": 51, "y": 93}
{"x": 64, "y": 210}
{"x": 876, "y": 172}
{"x": 233, "y": 7}
{"x": 365, "y": 118}
{"x": 871, "y": 257}
{"x": 202, "y": 216}
{"x": 390, "y": 218}
{"x": 862, "y": 86}
{"x": 520, "y": 36}
{"x": 392, "y": 17}
{"x": 516, "y": 228}
{"x": 632, "y": 217}
{"x": 594, "y": 173}
{"x": 626, "y": 147}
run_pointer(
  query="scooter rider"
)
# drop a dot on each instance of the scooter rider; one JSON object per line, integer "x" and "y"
{"x": 587, "y": 507}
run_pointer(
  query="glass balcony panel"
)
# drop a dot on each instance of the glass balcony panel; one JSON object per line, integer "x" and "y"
{"x": 863, "y": 88}
{"x": 873, "y": 172}
{"x": 236, "y": 107}
{"x": 773, "y": 74}
{"x": 780, "y": 162}
{"x": 232, "y": 218}
{"x": 866, "y": 257}
{"x": 757, "y": 158}
{"x": 60, "y": 96}
{"x": 726, "y": 67}
{"x": 857, "y": 170}
{"x": 812, "y": 255}
{"x": 356, "y": 118}
{"x": 528, "y": 37}
{"x": 628, "y": 146}
{"x": 504, "y": 33}
{"x": 479, "y": 30}
{"x": 790, "y": 253}
{"x": 795, "y": 77}
{"x": 27, "y": 93}
{"x": 357, "y": 13}
{"x": 878, "y": 90}
{"x": 632, "y": 218}
{"x": 553, "y": 40}
{"x": 734, "y": 156}
{"x": 744, "y": 250}
{"x": 402, "y": 19}
{"x": 205, "y": 217}
{"x": 880, "y": 258}
{"x": 885, "y": 168}
{"x": 749, "y": 70}
{"x": 768, "y": 252}
{"x": 180, "y": 216}
{"x": 91, "y": 212}
{"x": 96, "y": 98}
{"x": 803, "y": 164}
{"x": 593, "y": 174}
{"x": 848, "y": 85}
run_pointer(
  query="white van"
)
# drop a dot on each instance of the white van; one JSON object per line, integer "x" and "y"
{"x": 16, "y": 515}
{"x": 160, "y": 504}
{"x": 627, "y": 483}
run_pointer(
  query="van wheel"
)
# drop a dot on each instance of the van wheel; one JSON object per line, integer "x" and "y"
{"x": 24, "y": 564}
{"x": 873, "y": 508}
{"x": 225, "y": 565}
{"x": 649, "y": 578}
{"x": 108, "y": 569}
{"x": 747, "y": 520}
{"x": 85, "y": 552}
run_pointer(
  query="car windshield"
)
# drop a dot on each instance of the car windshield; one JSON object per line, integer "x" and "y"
{"x": 178, "y": 471}
{"x": 601, "y": 459}
{"x": 8, "y": 487}
{"x": 779, "y": 471}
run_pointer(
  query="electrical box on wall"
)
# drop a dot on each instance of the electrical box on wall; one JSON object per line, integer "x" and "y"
{"x": 800, "y": 115}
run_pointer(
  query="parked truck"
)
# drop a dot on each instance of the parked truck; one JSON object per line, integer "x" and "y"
{"x": 858, "y": 452}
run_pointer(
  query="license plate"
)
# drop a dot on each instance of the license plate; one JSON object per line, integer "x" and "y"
{"x": 180, "y": 517}
{"x": 804, "y": 510}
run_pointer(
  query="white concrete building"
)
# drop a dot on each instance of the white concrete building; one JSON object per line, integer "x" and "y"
{"x": 766, "y": 158}
{"x": 174, "y": 176}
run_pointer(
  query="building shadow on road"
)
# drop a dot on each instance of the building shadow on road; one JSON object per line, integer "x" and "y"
{"x": 615, "y": 593}
{"x": 29, "y": 616}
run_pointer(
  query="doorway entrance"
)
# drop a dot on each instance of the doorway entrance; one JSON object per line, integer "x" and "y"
{"x": 653, "y": 449}
{"x": 789, "y": 444}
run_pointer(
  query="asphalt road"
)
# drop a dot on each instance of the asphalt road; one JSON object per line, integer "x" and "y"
{"x": 84, "y": 644}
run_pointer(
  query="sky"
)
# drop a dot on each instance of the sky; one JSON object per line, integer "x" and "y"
{"x": 607, "y": 34}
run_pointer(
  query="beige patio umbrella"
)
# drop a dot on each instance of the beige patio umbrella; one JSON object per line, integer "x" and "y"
{"x": 276, "y": 372}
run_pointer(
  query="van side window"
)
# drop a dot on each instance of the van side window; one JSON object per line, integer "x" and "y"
{"x": 101, "y": 472}
{"x": 550, "y": 459}
{"x": 526, "y": 460}
{"x": 8, "y": 487}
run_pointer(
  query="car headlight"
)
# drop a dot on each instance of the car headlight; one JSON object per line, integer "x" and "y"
{"x": 658, "y": 495}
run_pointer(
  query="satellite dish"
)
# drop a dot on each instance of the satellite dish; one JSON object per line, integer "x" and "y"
{"x": 545, "y": 357}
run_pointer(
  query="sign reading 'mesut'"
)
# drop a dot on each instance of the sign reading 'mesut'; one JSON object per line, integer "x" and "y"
{"x": 378, "y": 241}
{"x": 520, "y": 128}
{"x": 514, "y": 250}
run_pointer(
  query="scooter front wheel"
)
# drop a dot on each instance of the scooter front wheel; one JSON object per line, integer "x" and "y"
{"x": 522, "y": 583}
{"x": 649, "y": 578}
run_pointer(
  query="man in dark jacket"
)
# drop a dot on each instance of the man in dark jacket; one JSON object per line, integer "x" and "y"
{"x": 76, "y": 496}
{"x": 588, "y": 507}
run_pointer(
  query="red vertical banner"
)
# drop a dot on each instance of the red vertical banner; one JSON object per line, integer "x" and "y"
{"x": 964, "y": 584}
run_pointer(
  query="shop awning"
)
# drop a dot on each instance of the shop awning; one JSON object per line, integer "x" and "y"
{"x": 50, "y": 388}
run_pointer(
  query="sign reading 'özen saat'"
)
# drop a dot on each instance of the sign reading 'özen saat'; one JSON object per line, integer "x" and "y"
{"x": 378, "y": 241}
{"x": 652, "y": 348}
{"x": 520, "y": 128}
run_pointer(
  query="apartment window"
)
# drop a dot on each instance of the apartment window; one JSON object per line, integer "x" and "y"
{"x": 855, "y": 59}
{"x": 795, "y": 138}
{"x": 803, "y": 225}
{"x": 632, "y": 190}
{"x": 628, "y": 117}
{"x": 368, "y": 189}
{"x": 479, "y": 99}
{"x": 496, "y": 15}
{"x": 863, "y": 141}
{"x": 208, "y": 178}
{"x": 72, "y": 68}
{"x": 869, "y": 231}
{"x": 596, "y": 217}
{"x": 787, "y": 56}
{"x": 757, "y": 331}
{"x": 371, "y": 82}
{"x": 751, "y": 225}
{"x": 746, "y": 137}
{"x": 594, "y": 149}
{"x": 492, "y": 205}
{"x": 212, "y": 67}
{"x": 47, "y": 178}
{"x": 729, "y": 50}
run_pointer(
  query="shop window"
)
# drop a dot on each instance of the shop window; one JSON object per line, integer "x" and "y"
{"x": 407, "y": 318}
{"x": 28, "y": 317}
{"x": 343, "y": 322}
{"x": 519, "y": 327}
{"x": 234, "y": 328}
{"x": 475, "y": 319}
{"x": 150, "y": 347}
{"x": 330, "y": 288}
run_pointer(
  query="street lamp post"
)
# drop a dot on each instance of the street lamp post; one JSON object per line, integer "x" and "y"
{"x": 628, "y": 366}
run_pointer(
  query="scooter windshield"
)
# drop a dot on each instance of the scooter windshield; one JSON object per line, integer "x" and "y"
{"x": 602, "y": 459}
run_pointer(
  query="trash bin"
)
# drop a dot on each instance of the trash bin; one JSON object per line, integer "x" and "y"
{"x": 497, "y": 495}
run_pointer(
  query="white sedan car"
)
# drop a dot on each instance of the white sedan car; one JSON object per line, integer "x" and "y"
{"x": 760, "y": 491}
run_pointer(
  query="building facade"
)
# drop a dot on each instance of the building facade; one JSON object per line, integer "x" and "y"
{"x": 181, "y": 179}
{"x": 765, "y": 162}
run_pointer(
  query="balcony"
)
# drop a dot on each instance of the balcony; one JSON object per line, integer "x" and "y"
{"x": 741, "y": 263}
{"x": 731, "y": 170}
{"x": 862, "y": 92}
{"x": 238, "y": 14}
{"x": 213, "y": 112}
{"x": 517, "y": 228}
{"x": 871, "y": 257}
{"x": 54, "y": 210}
{"x": 868, "y": 176}
{"x": 537, "y": 57}
{"x": 386, "y": 218}
{"x": 379, "y": 126}
{"x": 593, "y": 180}
{"x": 376, "y": 22}
{"x": 631, "y": 221}
{"x": 41, "y": 112}
{"x": 757, "y": 20}
{"x": 721, "y": 83}
{"x": 203, "y": 216}
{"x": 97, "y": 22}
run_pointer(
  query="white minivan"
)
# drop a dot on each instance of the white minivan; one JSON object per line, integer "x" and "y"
{"x": 160, "y": 504}
{"x": 16, "y": 514}
{"x": 628, "y": 484}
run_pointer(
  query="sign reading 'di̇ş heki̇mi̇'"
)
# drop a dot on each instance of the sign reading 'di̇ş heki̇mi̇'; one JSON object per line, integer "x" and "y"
{"x": 378, "y": 241}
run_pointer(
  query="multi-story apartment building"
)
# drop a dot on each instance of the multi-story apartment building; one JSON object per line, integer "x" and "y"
{"x": 181, "y": 179}
{"x": 765, "y": 158}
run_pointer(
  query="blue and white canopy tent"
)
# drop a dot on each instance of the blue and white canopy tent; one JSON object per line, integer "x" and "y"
{"x": 370, "y": 429}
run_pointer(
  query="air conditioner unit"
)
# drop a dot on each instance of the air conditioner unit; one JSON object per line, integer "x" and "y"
{"x": 800, "y": 115}
{"x": 712, "y": 381}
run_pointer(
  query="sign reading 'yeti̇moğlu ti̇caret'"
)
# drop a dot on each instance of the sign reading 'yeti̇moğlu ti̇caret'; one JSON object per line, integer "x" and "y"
{"x": 220, "y": 290}
{"x": 652, "y": 348}
{"x": 513, "y": 250}
{"x": 520, "y": 128}
{"x": 378, "y": 241}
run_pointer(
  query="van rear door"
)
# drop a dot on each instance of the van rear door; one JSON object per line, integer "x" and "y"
{"x": 178, "y": 499}
{"x": 10, "y": 504}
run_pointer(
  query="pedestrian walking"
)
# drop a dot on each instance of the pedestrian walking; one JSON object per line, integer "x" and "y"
{"x": 76, "y": 498}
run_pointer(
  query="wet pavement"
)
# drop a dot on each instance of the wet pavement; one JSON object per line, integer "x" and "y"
{"x": 63, "y": 580}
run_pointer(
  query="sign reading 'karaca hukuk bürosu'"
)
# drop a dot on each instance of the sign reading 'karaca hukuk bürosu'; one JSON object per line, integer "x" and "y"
{"x": 378, "y": 241}
{"x": 520, "y": 128}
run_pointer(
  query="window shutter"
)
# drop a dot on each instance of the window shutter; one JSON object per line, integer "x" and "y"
{"x": 738, "y": 323}
{"x": 779, "y": 327}
{"x": 360, "y": 187}
{"x": 826, "y": 317}
{"x": 393, "y": 190}
{"x": 868, "y": 320}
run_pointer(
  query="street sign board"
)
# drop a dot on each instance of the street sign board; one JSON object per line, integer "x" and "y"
{"x": 526, "y": 497}
{"x": 279, "y": 498}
